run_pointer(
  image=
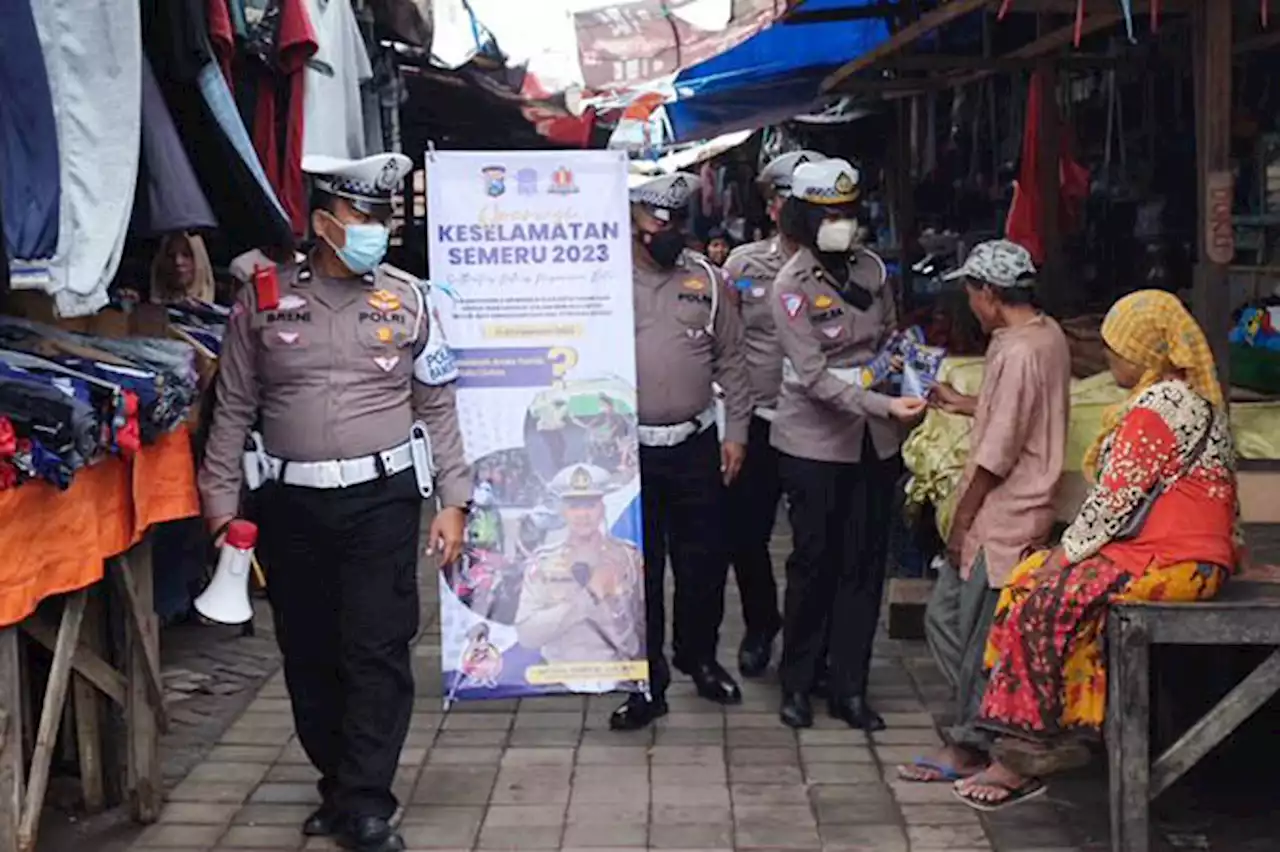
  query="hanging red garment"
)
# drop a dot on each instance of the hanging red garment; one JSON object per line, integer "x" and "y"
{"x": 1023, "y": 225}
{"x": 221, "y": 35}
{"x": 282, "y": 90}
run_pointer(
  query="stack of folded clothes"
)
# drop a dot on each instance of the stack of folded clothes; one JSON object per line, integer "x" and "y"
{"x": 68, "y": 399}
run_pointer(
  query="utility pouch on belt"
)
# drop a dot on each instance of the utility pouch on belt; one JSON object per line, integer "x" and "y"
{"x": 420, "y": 449}
{"x": 255, "y": 462}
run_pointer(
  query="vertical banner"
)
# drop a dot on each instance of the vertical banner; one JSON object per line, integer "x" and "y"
{"x": 530, "y": 255}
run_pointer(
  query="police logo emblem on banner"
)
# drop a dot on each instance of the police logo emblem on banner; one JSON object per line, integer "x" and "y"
{"x": 527, "y": 181}
{"x": 562, "y": 182}
{"x": 495, "y": 180}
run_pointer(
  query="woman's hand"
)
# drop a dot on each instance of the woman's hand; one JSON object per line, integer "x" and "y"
{"x": 445, "y": 537}
{"x": 907, "y": 409}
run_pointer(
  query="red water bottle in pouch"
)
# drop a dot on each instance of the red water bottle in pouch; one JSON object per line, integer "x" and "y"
{"x": 226, "y": 600}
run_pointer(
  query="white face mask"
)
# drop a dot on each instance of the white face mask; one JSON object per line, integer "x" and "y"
{"x": 837, "y": 235}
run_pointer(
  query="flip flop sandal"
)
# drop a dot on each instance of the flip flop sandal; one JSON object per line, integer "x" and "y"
{"x": 1028, "y": 790}
{"x": 943, "y": 772}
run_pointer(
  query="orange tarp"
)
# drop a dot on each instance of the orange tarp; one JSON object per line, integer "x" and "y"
{"x": 53, "y": 542}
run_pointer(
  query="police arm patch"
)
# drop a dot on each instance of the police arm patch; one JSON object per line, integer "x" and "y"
{"x": 792, "y": 303}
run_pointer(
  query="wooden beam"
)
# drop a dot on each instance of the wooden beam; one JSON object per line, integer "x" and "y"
{"x": 87, "y": 711}
{"x": 12, "y": 777}
{"x": 137, "y": 617}
{"x": 86, "y": 664}
{"x": 1216, "y": 725}
{"x": 143, "y": 714}
{"x": 51, "y": 713}
{"x": 1212, "y": 308}
{"x": 1046, "y": 44}
{"x": 905, "y": 36}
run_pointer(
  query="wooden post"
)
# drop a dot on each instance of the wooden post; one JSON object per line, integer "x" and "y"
{"x": 12, "y": 776}
{"x": 1049, "y": 280}
{"x": 88, "y": 714}
{"x": 1212, "y": 55}
{"x": 1128, "y": 721}
{"x": 904, "y": 208}
{"x": 142, "y": 644}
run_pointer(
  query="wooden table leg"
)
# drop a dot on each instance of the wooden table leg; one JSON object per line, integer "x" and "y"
{"x": 51, "y": 713}
{"x": 1128, "y": 731}
{"x": 12, "y": 777}
{"x": 141, "y": 666}
{"x": 88, "y": 715}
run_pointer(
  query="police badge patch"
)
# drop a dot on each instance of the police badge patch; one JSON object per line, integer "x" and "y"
{"x": 793, "y": 304}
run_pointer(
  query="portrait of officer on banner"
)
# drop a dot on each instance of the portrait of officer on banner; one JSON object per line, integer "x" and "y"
{"x": 581, "y": 608}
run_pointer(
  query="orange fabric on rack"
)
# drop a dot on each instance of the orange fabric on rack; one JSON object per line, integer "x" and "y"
{"x": 53, "y": 542}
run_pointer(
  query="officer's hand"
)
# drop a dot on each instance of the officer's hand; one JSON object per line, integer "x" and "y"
{"x": 218, "y": 528}
{"x": 445, "y": 537}
{"x": 907, "y": 409}
{"x": 732, "y": 455}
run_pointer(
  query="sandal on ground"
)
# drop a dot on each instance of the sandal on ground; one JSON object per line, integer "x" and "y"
{"x": 939, "y": 772}
{"x": 1029, "y": 789}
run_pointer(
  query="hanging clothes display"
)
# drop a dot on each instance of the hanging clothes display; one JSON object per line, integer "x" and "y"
{"x": 169, "y": 197}
{"x": 333, "y": 118}
{"x": 280, "y": 42}
{"x": 1023, "y": 225}
{"x": 29, "y": 180}
{"x": 213, "y": 134}
{"x": 93, "y": 57}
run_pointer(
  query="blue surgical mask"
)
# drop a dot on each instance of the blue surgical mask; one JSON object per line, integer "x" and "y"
{"x": 364, "y": 248}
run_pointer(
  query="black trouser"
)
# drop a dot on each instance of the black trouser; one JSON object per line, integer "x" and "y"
{"x": 753, "y": 508}
{"x": 682, "y": 495}
{"x": 342, "y": 579}
{"x": 835, "y": 576}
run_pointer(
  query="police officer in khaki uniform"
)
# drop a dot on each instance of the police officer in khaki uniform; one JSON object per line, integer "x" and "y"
{"x": 753, "y": 497}
{"x": 686, "y": 339}
{"x": 837, "y": 438}
{"x": 337, "y": 357}
{"x": 581, "y": 601}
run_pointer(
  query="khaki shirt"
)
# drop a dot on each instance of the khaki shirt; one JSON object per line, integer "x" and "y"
{"x": 560, "y": 617}
{"x": 1020, "y": 435}
{"x": 678, "y": 356}
{"x": 751, "y": 270}
{"x": 820, "y": 416}
{"x": 331, "y": 371}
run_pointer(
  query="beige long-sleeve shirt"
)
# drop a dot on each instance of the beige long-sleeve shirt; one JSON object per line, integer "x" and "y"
{"x": 563, "y": 620}
{"x": 751, "y": 270}
{"x": 820, "y": 415}
{"x": 331, "y": 371}
{"x": 681, "y": 349}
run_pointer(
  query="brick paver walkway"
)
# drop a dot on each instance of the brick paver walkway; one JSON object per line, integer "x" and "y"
{"x": 547, "y": 774}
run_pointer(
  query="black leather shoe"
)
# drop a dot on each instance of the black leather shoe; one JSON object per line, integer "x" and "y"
{"x": 371, "y": 834}
{"x": 856, "y": 713}
{"x": 638, "y": 712}
{"x": 714, "y": 683}
{"x": 796, "y": 711}
{"x": 754, "y": 654}
{"x": 323, "y": 823}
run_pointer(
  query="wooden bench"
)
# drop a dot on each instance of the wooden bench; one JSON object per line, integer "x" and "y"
{"x": 1245, "y": 613}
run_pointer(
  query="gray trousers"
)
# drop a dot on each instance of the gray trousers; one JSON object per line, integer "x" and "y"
{"x": 956, "y": 623}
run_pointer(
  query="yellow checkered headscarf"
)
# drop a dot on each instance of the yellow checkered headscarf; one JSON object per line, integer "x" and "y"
{"x": 1152, "y": 329}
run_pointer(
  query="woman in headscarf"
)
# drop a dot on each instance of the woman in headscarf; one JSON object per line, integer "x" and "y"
{"x": 1158, "y": 524}
{"x": 181, "y": 271}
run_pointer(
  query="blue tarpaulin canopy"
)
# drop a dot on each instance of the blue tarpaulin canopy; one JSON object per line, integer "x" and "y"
{"x": 775, "y": 74}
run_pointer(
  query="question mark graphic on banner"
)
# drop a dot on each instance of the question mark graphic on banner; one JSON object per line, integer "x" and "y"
{"x": 562, "y": 360}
